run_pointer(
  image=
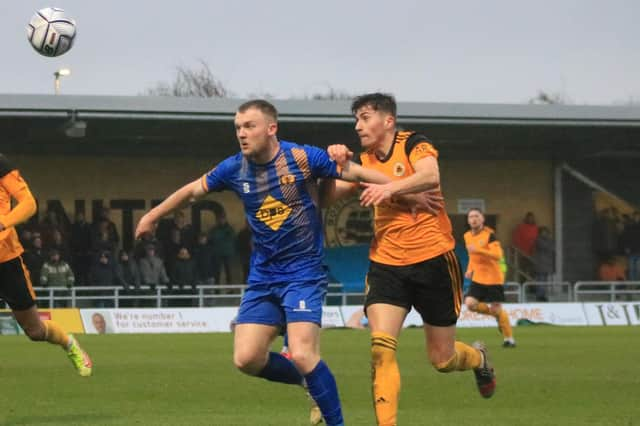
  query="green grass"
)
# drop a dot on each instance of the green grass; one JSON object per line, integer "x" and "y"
{"x": 556, "y": 376}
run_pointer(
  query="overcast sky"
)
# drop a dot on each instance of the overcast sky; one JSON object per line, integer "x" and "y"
{"x": 442, "y": 51}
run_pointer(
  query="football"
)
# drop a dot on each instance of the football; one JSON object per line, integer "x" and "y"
{"x": 51, "y": 32}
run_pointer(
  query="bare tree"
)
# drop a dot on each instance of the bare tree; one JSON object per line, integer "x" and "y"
{"x": 546, "y": 98}
{"x": 332, "y": 95}
{"x": 191, "y": 82}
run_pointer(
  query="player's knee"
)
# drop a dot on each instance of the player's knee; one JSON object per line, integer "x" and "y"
{"x": 248, "y": 363}
{"x": 304, "y": 360}
{"x": 495, "y": 308}
{"x": 443, "y": 363}
{"x": 471, "y": 304}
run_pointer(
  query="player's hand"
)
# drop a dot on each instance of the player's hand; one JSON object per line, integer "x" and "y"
{"x": 339, "y": 153}
{"x": 374, "y": 194}
{"x": 430, "y": 201}
{"x": 468, "y": 274}
{"x": 145, "y": 226}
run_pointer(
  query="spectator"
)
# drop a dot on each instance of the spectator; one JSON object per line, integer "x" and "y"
{"x": 171, "y": 249}
{"x": 624, "y": 241}
{"x": 634, "y": 234}
{"x": 103, "y": 271}
{"x": 56, "y": 272}
{"x": 34, "y": 259}
{"x": 524, "y": 239}
{"x": 152, "y": 271}
{"x": 104, "y": 215}
{"x": 80, "y": 247}
{"x": 611, "y": 270}
{"x": 127, "y": 271}
{"x": 103, "y": 274}
{"x": 184, "y": 272}
{"x": 544, "y": 259}
{"x": 51, "y": 223}
{"x": 222, "y": 238}
{"x": 102, "y": 240}
{"x": 605, "y": 234}
{"x": 179, "y": 223}
{"x": 140, "y": 250}
{"x": 26, "y": 238}
{"x": 58, "y": 243}
{"x": 244, "y": 247}
{"x": 204, "y": 259}
{"x": 525, "y": 235}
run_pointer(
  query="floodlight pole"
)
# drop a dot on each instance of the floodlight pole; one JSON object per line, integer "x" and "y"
{"x": 62, "y": 72}
{"x": 56, "y": 83}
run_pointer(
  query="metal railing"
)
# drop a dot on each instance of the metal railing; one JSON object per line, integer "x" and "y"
{"x": 512, "y": 292}
{"x": 553, "y": 291}
{"x": 160, "y": 296}
{"x": 606, "y": 291}
{"x": 230, "y": 295}
{"x": 516, "y": 259}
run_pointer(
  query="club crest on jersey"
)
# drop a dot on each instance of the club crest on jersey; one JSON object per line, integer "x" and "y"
{"x": 245, "y": 187}
{"x": 287, "y": 180}
{"x": 398, "y": 169}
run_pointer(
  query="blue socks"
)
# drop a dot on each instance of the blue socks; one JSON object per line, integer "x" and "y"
{"x": 323, "y": 389}
{"x": 280, "y": 369}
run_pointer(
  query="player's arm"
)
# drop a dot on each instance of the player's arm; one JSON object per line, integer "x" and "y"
{"x": 425, "y": 178}
{"x": 189, "y": 193}
{"x": 26, "y": 207}
{"x": 332, "y": 190}
{"x": 493, "y": 249}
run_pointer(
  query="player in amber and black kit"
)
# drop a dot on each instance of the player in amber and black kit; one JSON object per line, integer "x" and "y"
{"x": 15, "y": 283}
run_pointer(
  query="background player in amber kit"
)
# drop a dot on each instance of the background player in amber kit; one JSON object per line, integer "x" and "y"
{"x": 412, "y": 258}
{"x": 15, "y": 282}
{"x": 487, "y": 279}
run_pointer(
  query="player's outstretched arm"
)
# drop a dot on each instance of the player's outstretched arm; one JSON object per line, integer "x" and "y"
{"x": 351, "y": 171}
{"x": 189, "y": 193}
{"x": 426, "y": 177}
{"x": 492, "y": 250}
{"x": 26, "y": 204}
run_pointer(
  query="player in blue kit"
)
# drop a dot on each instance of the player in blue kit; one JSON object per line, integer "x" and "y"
{"x": 277, "y": 182}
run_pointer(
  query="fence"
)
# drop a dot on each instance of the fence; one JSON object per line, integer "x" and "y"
{"x": 230, "y": 295}
{"x": 609, "y": 291}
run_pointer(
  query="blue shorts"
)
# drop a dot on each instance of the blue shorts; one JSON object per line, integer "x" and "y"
{"x": 282, "y": 303}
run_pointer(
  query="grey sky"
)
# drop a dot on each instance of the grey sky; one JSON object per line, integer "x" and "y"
{"x": 442, "y": 51}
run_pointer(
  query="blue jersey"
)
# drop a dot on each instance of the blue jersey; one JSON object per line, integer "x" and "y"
{"x": 281, "y": 205}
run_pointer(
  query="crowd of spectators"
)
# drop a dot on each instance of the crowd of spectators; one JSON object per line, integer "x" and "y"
{"x": 91, "y": 254}
{"x": 536, "y": 253}
{"x": 616, "y": 242}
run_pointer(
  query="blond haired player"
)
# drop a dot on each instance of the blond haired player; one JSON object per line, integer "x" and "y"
{"x": 487, "y": 279}
{"x": 15, "y": 282}
{"x": 412, "y": 260}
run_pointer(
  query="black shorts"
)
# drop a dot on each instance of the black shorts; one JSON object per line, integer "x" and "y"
{"x": 433, "y": 287}
{"x": 15, "y": 285}
{"x": 486, "y": 293}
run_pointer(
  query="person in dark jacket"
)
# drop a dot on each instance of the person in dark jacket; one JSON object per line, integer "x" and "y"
{"x": 204, "y": 258}
{"x": 184, "y": 270}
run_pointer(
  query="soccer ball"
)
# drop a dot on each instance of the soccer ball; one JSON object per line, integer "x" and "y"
{"x": 50, "y": 32}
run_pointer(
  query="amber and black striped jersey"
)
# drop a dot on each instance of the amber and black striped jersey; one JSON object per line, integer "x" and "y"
{"x": 484, "y": 262}
{"x": 12, "y": 186}
{"x": 400, "y": 238}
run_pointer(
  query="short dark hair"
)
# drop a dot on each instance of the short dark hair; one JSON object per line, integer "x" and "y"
{"x": 264, "y": 106}
{"x": 383, "y": 102}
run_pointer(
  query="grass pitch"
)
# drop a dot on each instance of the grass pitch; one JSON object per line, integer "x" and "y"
{"x": 556, "y": 376}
